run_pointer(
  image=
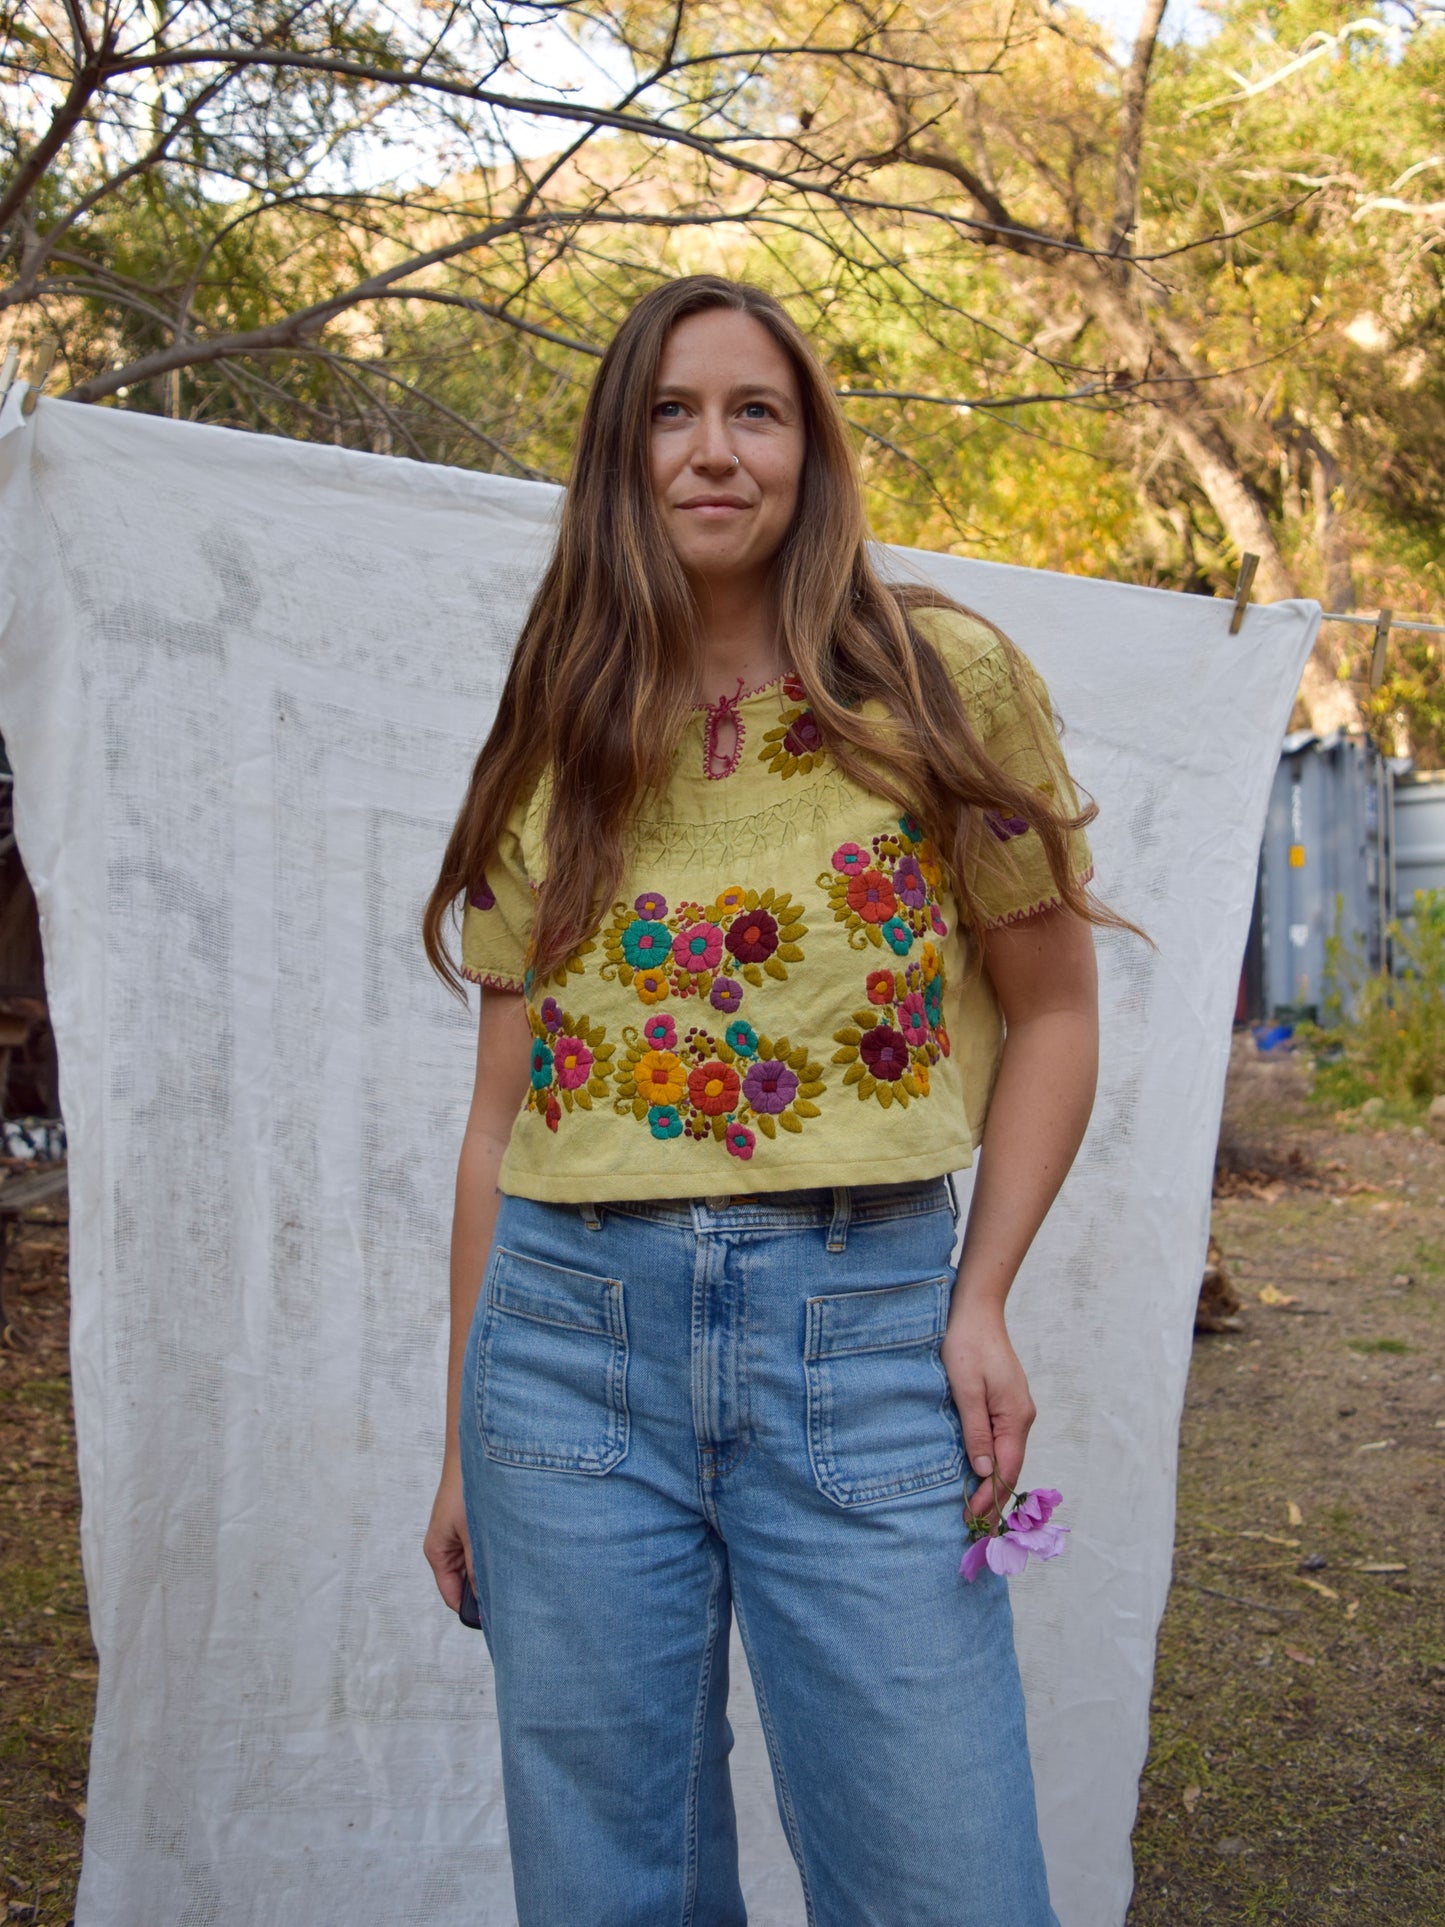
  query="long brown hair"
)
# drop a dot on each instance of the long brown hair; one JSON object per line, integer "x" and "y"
{"x": 604, "y": 675}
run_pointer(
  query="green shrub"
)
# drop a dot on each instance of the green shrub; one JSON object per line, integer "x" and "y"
{"x": 1391, "y": 1044}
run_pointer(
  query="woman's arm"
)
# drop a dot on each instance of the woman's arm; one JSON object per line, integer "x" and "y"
{"x": 1044, "y": 973}
{"x": 504, "y": 1050}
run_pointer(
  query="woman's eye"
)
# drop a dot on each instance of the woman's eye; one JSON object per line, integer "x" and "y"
{"x": 761, "y": 407}
{"x": 661, "y": 410}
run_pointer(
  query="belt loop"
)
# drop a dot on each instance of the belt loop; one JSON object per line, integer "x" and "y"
{"x": 591, "y": 1216}
{"x": 952, "y": 1192}
{"x": 842, "y": 1209}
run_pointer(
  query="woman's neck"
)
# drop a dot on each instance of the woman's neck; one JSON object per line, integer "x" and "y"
{"x": 737, "y": 637}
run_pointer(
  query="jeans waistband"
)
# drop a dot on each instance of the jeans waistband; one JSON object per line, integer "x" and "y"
{"x": 834, "y": 1206}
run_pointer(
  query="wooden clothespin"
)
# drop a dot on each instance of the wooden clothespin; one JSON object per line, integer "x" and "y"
{"x": 38, "y": 376}
{"x": 1377, "y": 655}
{"x": 1247, "y": 566}
{"x": 7, "y": 369}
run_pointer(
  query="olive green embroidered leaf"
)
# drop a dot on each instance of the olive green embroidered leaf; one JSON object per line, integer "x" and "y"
{"x": 848, "y": 1036}
{"x": 799, "y": 1058}
{"x": 765, "y": 1048}
{"x": 583, "y": 1097}
{"x": 719, "y": 1128}
{"x": 791, "y": 952}
{"x": 867, "y": 1084}
{"x": 788, "y": 1121}
{"x": 598, "y": 1086}
{"x": 776, "y": 969}
{"x": 781, "y": 1048}
{"x": 875, "y": 935}
{"x": 765, "y": 1124}
{"x": 910, "y": 1084}
{"x": 867, "y": 1017}
{"x": 804, "y": 1108}
{"x": 753, "y": 974}
{"x": 845, "y": 1056}
{"x": 885, "y": 1095}
{"x": 566, "y": 1097}
{"x": 854, "y": 1075}
{"x": 639, "y": 1107}
{"x": 814, "y": 1087}
{"x": 793, "y": 932}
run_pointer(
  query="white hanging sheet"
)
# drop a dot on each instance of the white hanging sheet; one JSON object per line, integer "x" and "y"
{"x": 242, "y": 680}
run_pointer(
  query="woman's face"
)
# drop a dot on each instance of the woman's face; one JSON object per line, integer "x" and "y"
{"x": 727, "y": 443}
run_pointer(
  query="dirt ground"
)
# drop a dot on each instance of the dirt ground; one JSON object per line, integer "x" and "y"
{"x": 1296, "y": 1771}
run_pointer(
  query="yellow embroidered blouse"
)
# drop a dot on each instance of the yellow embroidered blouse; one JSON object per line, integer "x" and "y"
{"x": 777, "y": 997}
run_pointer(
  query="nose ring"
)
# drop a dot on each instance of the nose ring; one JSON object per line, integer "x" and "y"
{"x": 737, "y": 461}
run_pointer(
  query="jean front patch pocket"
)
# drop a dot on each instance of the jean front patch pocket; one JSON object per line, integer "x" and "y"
{"x": 552, "y": 1376}
{"x": 881, "y": 1417}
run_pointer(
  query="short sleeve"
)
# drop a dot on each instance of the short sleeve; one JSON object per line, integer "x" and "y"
{"x": 1008, "y": 874}
{"x": 497, "y": 920}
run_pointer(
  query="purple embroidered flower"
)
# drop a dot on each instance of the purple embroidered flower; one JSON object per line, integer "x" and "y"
{"x": 660, "y": 1031}
{"x": 898, "y": 936}
{"x": 551, "y": 1014}
{"x": 885, "y": 1053}
{"x": 908, "y": 883}
{"x": 481, "y": 898}
{"x": 726, "y": 994}
{"x": 753, "y": 936}
{"x": 913, "y": 1018}
{"x": 770, "y": 1085}
{"x": 740, "y": 1140}
{"x": 805, "y": 736}
{"x": 940, "y": 927}
{"x": 646, "y": 943}
{"x": 850, "y": 859}
{"x": 651, "y": 905}
{"x": 698, "y": 947}
{"x": 1004, "y": 827}
{"x": 574, "y": 1062}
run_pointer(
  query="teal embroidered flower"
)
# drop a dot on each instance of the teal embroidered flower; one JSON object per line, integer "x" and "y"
{"x": 665, "y": 1119}
{"x": 898, "y": 936}
{"x": 541, "y": 1065}
{"x": 933, "y": 999}
{"x": 911, "y": 828}
{"x": 645, "y": 942}
{"x": 742, "y": 1037}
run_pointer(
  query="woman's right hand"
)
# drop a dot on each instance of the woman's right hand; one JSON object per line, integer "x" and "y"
{"x": 447, "y": 1544}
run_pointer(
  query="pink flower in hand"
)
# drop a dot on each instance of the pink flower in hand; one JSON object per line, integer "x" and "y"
{"x": 1044, "y": 1542}
{"x": 1034, "y": 1509}
{"x": 999, "y": 1551}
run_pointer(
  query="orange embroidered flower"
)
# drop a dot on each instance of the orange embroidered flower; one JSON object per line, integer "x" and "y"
{"x": 733, "y": 898}
{"x": 880, "y": 986}
{"x": 661, "y": 1078}
{"x": 872, "y": 896}
{"x": 714, "y": 1088}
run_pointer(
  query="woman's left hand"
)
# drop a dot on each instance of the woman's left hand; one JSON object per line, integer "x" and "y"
{"x": 991, "y": 1392}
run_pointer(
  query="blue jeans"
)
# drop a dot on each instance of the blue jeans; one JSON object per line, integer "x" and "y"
{"x": 678, "y": 1409}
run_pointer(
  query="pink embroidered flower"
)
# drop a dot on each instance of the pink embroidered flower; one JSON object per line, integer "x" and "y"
{"x": 740, "y": 1140}
{"x": 881, "y": 987}
{"x": 572, "y": 1062}
{"x": 713, "y": 1088}
{"x": 726, "y": 994}
{"x": 770, "y": 1085}
{"x": 884, "y": 1052}
{"x": 849, "y": 859}
{"x": 912, "y": 1018}
{"x": 698, "y": 947}
{"x": 651, "y": 904}
{"x": 753, "y": 937}
{"x": 660, "y": 1031}
{"x": 871, "y": 895}
{"x": 481, "y": 897}
{"x": 936, "y": 917}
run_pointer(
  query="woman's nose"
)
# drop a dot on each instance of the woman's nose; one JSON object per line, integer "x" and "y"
{"x": 712, "y": 448}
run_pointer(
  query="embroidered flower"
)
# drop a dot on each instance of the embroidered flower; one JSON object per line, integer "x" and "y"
{"x": 481, "y": 898}
{"x": 742, "y": 1037}
{"x": 740, "y": 1140}
{"x": 795, "y": 744}
{"x": 936, "y": 918}
{"x": 665, "y": 1120}
{"x": 646, "y": 942}
{"x": 733, "y": 898}
{"x": 870, "y": 896}
{"x": 911, "y": 827}
{"x": 541, "y": 1066}
{"x": 770, "y": 1085}
{"x": 920, "y": 1077}
{"x": 698, "y": 947}
{"x": 884, "y": 1052}
{"x": 753, "y": 936}
{"x": 880, "y": 987}
{"x": 850, "y": 858}
{"x": 660, "y": 1031}
{"x": 661, "y": 1077}
{"x": 553, "y": 1113}
{"x": 573, "y": 1062}
{"x": 908, "y": 882}
{"x": 794, "y": 689}
{"x": 551, "y": 1013}
{"x": 1004, "y": 827}
{"x": 898, "y": 936}
{"x": 714, "y": 1088}
{"x": 651, "y": 986}
{"x": 726, "y": 994}
{"x": 913, "y": 1019}
{"x": 651, "y": 905}
{"x": 933, "y": 1000}
{"x": 804, "y": 735}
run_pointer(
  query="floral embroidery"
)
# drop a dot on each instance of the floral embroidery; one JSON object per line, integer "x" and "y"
{"x": 893, "y": 1041}
{"x": 711, "y": 950}
{"x": 481, "y": 898}
{"x": 796, "y": 745}
{"x": 727, "y": 1088}
{"x": 571, "y": 1061}
{"x": 887, "y": 894}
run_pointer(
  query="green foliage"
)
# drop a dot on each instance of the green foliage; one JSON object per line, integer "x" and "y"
{"x": 1390, "y": 1043}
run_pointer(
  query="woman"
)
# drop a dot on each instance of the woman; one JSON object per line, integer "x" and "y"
{"x": 807, "y": 840}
